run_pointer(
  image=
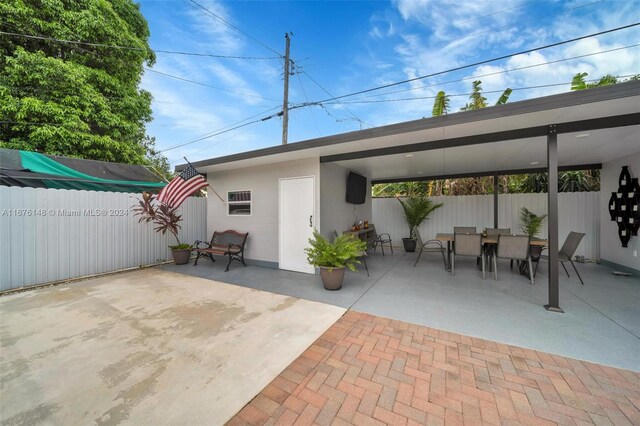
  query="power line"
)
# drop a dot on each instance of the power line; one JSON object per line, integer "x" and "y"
{"x": 33, "y": 89}
{"x": 475, "y": 77}
{"x": 540, "y": 86}
{"x": 493, "y": 14}
{"x": 229, "y": 24}
{"x": 207, "y": 85}
{"x": 327, "y": 92}
{"x": 315, "y": 120}
{"x": 477, "y": 63}
{"x": 226, "y": 129}
{"x": 138, "y": 49}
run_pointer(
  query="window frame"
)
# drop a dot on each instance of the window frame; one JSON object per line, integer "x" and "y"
{"x": 250, "y": 202}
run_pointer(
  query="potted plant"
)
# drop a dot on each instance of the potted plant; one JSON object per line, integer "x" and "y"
{"x": 416, "y": 210}
{"x": 165, "y": 219}
{"x": 333, "y": 258}
{"x": 531, "y": 224}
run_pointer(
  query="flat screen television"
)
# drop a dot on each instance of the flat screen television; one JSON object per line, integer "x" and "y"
{"x": 356, "y": 188}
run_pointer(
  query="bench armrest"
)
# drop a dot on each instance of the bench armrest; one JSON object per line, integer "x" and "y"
{"x": 196, "y": 244}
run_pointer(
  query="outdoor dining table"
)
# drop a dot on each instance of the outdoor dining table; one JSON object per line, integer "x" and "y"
{"x": 486, "y": 241}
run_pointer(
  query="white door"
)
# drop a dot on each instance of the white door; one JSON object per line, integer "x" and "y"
{"x": 297, "y": 221}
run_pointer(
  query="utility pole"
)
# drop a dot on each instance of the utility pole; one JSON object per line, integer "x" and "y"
{"x": 285, "y": 102}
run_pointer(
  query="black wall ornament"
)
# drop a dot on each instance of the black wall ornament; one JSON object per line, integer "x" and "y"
{"x": 624, "y": 206}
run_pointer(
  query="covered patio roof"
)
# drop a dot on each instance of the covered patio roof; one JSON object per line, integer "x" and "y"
{"x": 593, "y": 125}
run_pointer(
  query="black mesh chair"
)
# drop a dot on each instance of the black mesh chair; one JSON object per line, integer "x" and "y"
{"x": 431, "y": 246}
{"x": 513, "y": 247}
{"x": 381, "y": 239}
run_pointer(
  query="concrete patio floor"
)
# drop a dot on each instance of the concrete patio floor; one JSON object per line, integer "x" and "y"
{"x": 147, "y": 347}
{"x": 601, "y": 322}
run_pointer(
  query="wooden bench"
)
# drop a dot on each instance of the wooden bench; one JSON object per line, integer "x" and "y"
{"x": 226, "y": 243}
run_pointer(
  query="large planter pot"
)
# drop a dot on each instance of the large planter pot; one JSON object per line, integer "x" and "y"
{"x": 181, "y": 257}
{"x": 409, "y": 244}
{"x": 332, "y": 277}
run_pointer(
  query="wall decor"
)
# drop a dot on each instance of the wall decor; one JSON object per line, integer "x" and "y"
{"x": 624, "y": 206}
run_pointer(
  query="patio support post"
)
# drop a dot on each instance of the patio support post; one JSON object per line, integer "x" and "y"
{"x": 552, "y": 219}
{"x": 495, "y": 200}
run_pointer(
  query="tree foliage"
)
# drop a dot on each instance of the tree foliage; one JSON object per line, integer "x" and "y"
{"x": 579, "y": 81}
{"x": 441, "y": 104}
{"x": 75, "y": 99}
{"x": 416, "y": 210}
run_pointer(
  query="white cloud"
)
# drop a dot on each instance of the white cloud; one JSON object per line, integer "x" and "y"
{"x": 222, "y": 37}
{"x": 232, "y": 81}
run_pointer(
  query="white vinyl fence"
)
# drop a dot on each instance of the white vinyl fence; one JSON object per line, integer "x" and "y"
{"x": 48, "y": 235}
{"x": 578, "y": 211}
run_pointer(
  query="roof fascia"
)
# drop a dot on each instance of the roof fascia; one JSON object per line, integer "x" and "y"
{"x": 598, "y": 94}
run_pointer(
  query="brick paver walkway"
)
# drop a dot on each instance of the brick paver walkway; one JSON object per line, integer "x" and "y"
{"x": 368, "y": 370}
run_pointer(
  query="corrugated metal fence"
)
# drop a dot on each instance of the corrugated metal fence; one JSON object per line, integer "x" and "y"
{"x": 49, "y": 235}
{"x": 578, "y": 211}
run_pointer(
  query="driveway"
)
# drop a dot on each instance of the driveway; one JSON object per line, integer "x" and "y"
{"x": 147, "y": 347}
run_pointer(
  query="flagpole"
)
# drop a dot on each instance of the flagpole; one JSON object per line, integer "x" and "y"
{"x": 214, "y": 191}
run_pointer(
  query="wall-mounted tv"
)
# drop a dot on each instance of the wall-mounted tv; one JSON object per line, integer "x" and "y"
{"x": 356, "y": 188}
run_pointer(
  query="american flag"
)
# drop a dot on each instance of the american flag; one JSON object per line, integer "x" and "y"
{"x": 183, "y": 185}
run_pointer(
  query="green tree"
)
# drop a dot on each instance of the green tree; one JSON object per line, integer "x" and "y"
{"x": 75, "y": 99}
{"x": 572, "y": 181}
{"x": 579, "y": 81}
{"x": 441, "y": 104}
{"x": 478, "y": 101}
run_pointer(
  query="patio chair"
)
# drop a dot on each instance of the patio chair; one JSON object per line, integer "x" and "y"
{"x": 513, "y": 247}
{"x": 381, "y": 239}
{"x": 494, "y": 232}
{"x": 364, "y": 253}
{"x": 467, "y": 245}
{"x": 431, "y": 246}
{"x": 464, "y": 229}
{"x": 566, "y": 253}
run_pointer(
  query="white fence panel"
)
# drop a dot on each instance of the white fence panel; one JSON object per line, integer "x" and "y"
{"x": 49, "y": 235}
{"x": 577, "y": 211}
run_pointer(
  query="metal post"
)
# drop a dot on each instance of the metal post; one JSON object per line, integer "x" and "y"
{"x": 495, "y": 200}
{"x": 552, "y": 219}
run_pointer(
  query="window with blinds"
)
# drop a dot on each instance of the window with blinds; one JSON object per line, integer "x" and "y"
{"x": 239, "y": 203}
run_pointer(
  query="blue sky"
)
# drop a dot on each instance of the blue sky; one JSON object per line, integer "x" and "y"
{"x": 341, "y": 47}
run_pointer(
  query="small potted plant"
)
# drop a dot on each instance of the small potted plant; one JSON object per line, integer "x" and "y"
{"x": 165, "y": 219}
{"x": 333, "y": 258}
{"x": 531, "y": 222}
{"x": 531, "y": 225}
{"x": 416, "y": 210}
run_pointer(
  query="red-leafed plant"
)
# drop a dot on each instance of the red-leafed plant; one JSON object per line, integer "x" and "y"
{"x": 163, "y": 217}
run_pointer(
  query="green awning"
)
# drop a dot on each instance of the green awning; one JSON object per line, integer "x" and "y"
{"x": 32, "y": 169}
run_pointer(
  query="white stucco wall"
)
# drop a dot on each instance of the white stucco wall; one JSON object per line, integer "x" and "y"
{"x": 335, "y": 212}
{"x": 262, "y": 225}
{"x": 610, "y": 246}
